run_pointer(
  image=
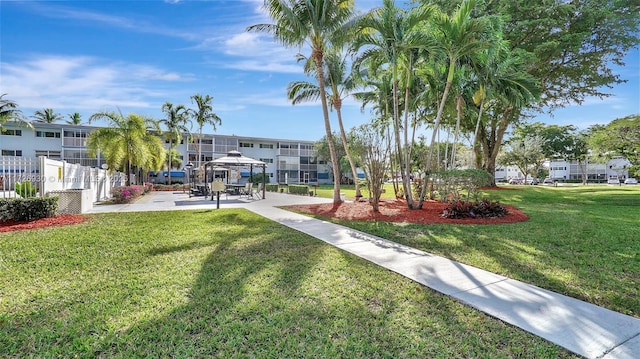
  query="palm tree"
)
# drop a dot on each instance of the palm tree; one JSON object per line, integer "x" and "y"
{"x": 9, "y": 112}
{"x": 460, "y": 36}
{"x": 318, "y": 23}
{"x": 74, "y": 118}
{"x": 204, "y": 115}
{"x": 47, "y": 116}
{"x": 389, "y": 34}
{"x": 128, "y": 142}
{"x": 339, "y": 86}
{"x": 176, "y": 122}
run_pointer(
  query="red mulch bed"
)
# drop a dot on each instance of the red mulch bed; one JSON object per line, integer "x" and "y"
{"x": 59, "y": 220}
{"x": 397, "y": 211}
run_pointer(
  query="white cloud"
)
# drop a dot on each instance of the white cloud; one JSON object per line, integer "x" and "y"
{"x": 84, "y": 83}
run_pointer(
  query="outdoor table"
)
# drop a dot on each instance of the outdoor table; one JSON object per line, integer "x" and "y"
{"x": 235, "y": 187}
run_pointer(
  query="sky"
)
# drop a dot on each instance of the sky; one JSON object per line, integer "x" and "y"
{"x": 133, "y": 56}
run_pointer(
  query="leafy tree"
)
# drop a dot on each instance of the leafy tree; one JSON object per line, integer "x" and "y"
{"x": 204, "y": 115}
{"x": 74, "y": 118}
{"x": 525, "y": 153}
{"x": 9, "y": 112}
{"x": 128, "y": 142}
{"x": 177, "y": 123}
{"x": 47, "y": 116}
{"x": 374, "y": 156}
{"x": 621, "y": 137}
{"x": 317, "y": 23}
{"x": 321, "y": 148}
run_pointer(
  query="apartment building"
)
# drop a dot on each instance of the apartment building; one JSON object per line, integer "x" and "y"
{"x": 290, "y": 161}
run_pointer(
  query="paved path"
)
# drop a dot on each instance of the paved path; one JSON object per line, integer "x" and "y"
{"x": 583, "y": 328}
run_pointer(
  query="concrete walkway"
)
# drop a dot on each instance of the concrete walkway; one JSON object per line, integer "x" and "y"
{"x": 580, "y": 327}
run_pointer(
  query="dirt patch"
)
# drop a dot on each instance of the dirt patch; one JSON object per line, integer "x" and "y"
{"x": 398, "y": 211}
{"x": 59, "y": 220}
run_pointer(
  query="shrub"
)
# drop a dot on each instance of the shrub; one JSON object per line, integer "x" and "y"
{"x": 148, "y": 187}
{"x": 299, "y": 189}
{"x": 27, "y": 209}
{"x": 480, "y": 209}
{"x": 452, "y": 184}
{"x": 26, "y": 189}
{"x": 126, "y": 194}
{"x": 271, "y": 187}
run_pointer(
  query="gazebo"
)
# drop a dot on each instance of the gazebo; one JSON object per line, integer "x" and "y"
{"x": 235, "y": 158}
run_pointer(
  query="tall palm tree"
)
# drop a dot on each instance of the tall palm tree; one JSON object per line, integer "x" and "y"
{"x": 340, "y": 84}
{"x": 47, "y": 116}
{"x": 128, "y": 142}
{"x": 204, "y": 115}
{"x": 317, "y": 23}
{"x": 177, "y": 124}
{"x": 74, "y": 118}
{"x": 389, "y": 34}
{"x": 461, "y": 35}
{"x": 9, "y": 112}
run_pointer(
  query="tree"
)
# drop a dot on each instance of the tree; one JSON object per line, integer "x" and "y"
{"x": 525, "y": 153}
{"x": 388, "y": 33}
{"x": 317, "y": 23}
{"x": 128, "y": 142}
{"x": 9, "y": 112}
{"x": 204, "y": 115}
{"x": 47, "y": 116}
{"x": 374, "y": 157}
{"x": 321, "y": 148}
{"x": 621, "y": 137}
{"x": 74, "y": 118}
{"x": 176, "y": 123}
{"x": 340, "y": 84}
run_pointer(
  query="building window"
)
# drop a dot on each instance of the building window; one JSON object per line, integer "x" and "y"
{"x": 246, "y": 145}
{"x": 7, "y": 132}
{"x": 266, "y": 145}
{"x": 267, "y": 160}
{"x": 50, "y": 154}
{"x": 48, "y": 134}
{"x": 17, "y": 153}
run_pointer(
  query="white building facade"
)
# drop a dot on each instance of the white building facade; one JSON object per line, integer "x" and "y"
{"x": 288, "y": 161}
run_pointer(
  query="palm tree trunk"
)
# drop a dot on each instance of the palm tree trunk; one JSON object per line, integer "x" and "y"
{"x": 317, "y": 56}
{"x": 343, "y": 136}
{"x": 407, "y": 149}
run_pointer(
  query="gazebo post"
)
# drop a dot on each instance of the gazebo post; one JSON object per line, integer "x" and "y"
{"x": 264, "y": 180}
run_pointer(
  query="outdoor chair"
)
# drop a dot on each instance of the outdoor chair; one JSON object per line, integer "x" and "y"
{"x": 258, "y": 194}
{"x": 247, "y": 190}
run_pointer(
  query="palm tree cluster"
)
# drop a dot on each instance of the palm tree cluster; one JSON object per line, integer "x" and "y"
{"x": 418, "y": 68}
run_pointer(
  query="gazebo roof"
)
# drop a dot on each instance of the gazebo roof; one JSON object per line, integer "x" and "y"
{"x": 235, "y": 158}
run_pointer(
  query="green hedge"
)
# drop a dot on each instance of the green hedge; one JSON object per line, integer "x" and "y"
{"x": 299, "y": 189}
{"x": 271, "y": 187}
{"x": 27, "y": 209}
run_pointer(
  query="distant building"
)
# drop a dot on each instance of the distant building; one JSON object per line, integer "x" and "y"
{"x": 291, "y": 161}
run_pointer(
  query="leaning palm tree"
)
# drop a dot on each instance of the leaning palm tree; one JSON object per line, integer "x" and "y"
{"x": 9, "y": 112}
{"x": 340, "y": 84}
{"x": 204, "y": 115}
{"x": 47, "y": 116}
{"x": 128, "y": 142}
{"x": 177, "y": 123}
{"x": 317, "y": 23}
{"x": 74, "y": 118}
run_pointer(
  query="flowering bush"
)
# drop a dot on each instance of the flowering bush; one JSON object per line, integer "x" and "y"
{"x": 148, "y": 186}
{"x": 126, "y": 194}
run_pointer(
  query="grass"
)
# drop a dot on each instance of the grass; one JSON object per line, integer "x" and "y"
{"x": 224, "y": 283}
{"x": 579, "y": 241}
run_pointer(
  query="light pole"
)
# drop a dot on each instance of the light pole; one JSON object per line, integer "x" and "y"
{"x": 189, "y": 166}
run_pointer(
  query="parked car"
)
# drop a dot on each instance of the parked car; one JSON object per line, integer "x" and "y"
{"x": 613, "y": 180}
{"x": 631, "y": 181}
{"x": 515, "y": 181}
{"x": 548, "y": 181}
{"x": 531, "y": 181}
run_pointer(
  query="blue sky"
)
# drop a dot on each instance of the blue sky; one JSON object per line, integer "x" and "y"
{"x": 90, "y": 56}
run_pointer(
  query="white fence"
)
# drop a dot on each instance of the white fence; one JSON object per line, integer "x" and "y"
{"x": 49, "y": 176}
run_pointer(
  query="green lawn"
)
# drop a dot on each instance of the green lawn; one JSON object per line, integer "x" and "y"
{"x": 226, "y": 283}
{"x": 580, "y": 241}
